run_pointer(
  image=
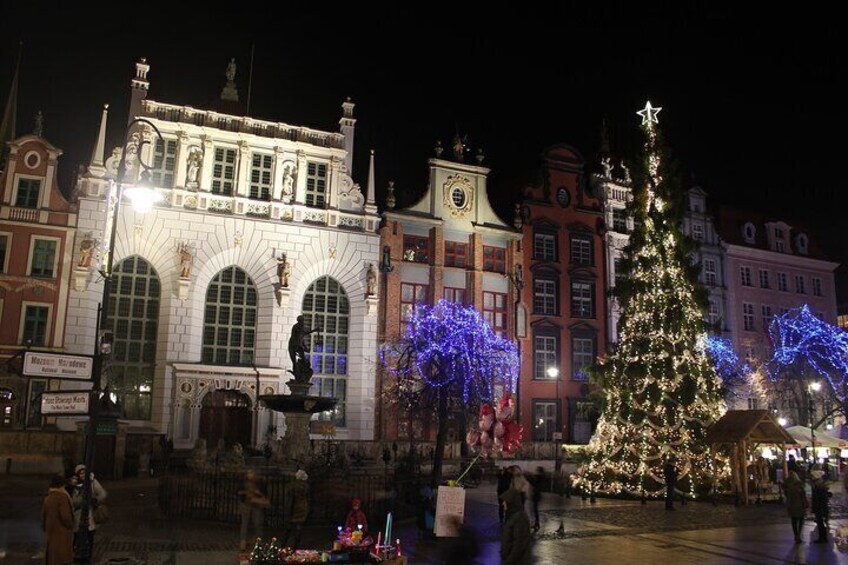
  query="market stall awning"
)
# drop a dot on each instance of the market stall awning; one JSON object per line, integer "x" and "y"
{"x": 757, "y": 426}
{"x": 803, "y": 437}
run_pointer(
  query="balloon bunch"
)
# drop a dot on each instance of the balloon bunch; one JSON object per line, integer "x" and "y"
{"x": 497, "y": 431}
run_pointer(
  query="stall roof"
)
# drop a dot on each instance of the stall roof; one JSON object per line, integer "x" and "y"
{"x": 803, "y": 437}
{"x": 754, "y": 425}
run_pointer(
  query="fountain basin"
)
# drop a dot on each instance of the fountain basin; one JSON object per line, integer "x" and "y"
{"x": 286, "y": 403}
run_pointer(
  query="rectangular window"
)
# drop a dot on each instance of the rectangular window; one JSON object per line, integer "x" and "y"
{"x": 817, "y": 285}
{"x": 456, "y": 254}
{"x": 619, "y": 220}
{"x": 545, "y": 350}
{"x": 753, "y": 404}
{"x": 581, "y": 250}
{"x": 778, "y": 240}
{"x": 768, "y": 316}
{"x": 455, "y": 294}
{"x": 799, "y": 284}
{"x": 224, "y": 171}
{"x": 28, "y": 191}
{"x": 261, "y": 166}
{"x": 698, "y": 232}
{"x": 544, "y": 247}
{"x": 331, "y": 387}
{"x": 618, "y": 269}
{"x": 710, "y": 274}
{"x": 764, "y": 279}
{"x": 582, "y": 357}
{"x": 494, "y": 311}
{"x": 35, "y": 325}
{"x": 316, "y": 185}
{"x": 745, "y": 273}
{"x": 410, "y": 295}
{"x": 545, "y": 297}
{"x": 43, "y": 258}
{"x": 582, "y": 299}
{"x": 494, "y": 259}
{"x": 748, "y": 316}
{"x": 416, "y": 249}
{"x": 544, "y": 419}
{"x": 4, "y": 252}
{"x": 713, "y": 315}
{"x": 164, "y": 163}
{"x": 782, "y": 282}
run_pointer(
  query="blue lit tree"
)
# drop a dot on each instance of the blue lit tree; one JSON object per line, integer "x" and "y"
{"x": 729, "y": 368}
{"x": 449, "y": 354}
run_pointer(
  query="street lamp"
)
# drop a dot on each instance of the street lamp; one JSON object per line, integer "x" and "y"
{"x": 814, "y": 386}
{"x": 103, "y": 405}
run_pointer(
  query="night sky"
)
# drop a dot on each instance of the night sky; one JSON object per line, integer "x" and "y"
{"x": 751, "y": 106}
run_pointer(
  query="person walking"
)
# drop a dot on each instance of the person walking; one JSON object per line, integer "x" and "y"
{"x": 504, "y": 482}
{"x": 98, "y": 495}
{"x": 521, "y": 484}
{"x": 821, "y": 494}
{"x": 796, "y": 502}
{"x": 670, "y": 474}
{"x": 297, "y": 508}
{"x": 252, "y": 503}
{"x": 57, "y": 521}
{"x": 515, "y": 538}
{"x": 536, "y": 498}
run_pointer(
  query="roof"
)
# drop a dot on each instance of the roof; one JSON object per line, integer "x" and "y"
{"x": 731, "y": 221}
{"x": 754, "y": 425}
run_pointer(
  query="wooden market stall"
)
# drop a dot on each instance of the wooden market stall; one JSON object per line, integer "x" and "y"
{"x": 742, "y": 430}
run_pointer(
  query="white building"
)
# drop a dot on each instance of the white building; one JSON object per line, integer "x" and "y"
{"x": 205, "y": 301}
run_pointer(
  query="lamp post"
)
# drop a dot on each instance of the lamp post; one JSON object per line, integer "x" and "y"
{"x": 101, "y": 405}
{"x": 814, "y": 386}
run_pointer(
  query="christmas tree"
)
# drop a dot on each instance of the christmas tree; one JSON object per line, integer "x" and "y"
{"x": 661, "y": 391}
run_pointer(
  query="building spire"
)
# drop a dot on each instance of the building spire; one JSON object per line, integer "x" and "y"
{"x": 138, "y": 89}
{"x": 347, "y": 126}
{"x": 100, "y": 144}
{"x": 371, "y": 182}
{"x": 8, "y": 126}
{"x": 605, "y": 144}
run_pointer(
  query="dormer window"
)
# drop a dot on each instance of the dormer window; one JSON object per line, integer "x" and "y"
{"x": 779, "y": 243}
{"x": 802, "y": 243}
{"x": 749, "y": 232}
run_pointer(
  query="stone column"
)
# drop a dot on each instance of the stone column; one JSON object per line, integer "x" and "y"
{"x": 300, "y": 190}
{"x": 181, "y": 158}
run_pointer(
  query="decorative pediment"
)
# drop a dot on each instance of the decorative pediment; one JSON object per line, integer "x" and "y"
{"x": 583, "y": 327}
{"x": 579, "y": 227}
{"x": 542, "y": 269}
{"x": 545, "y": 224}
{"x": 545, "y": 324}
{"x": 582, "y": 273}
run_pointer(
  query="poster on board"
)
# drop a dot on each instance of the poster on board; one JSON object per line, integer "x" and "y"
{"x": 450, "y": 502}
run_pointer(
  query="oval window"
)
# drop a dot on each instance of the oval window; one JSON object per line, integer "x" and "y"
{"x": 458, "y": 197}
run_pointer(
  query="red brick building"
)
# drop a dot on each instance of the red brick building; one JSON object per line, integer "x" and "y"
{"x": 452, "y": 245}
{"x": 564, "y": 290}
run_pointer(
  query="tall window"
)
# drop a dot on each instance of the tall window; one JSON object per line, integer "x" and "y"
{"x": 229, "y": 321}
{"x": 782, "y": 282}
{"x": 619, "y": 220}
{"x": 698, "y": 232}
{"x": 544, "y": 246}
{"x": 745, "y": 273}
{"x": 582, "y": 357}
{"x": 410, "y": 295}
{"x": 710, "y": 274}
{"x": 545, "y": 297}
{"x": 260, "y": 176}
{"x": 764, "y": 279}
{"x": 544, "y": 419}
{"x": 494, "y": 259}
{"x": 134, "y": 317}
{"x": 748, "y": 316}
{"x": 36, "y": 319}
{"x": 494, "y": 311}
{"x": 224, "y": 171}
{"x": 799, "y": 284}
{"x": 581, "y": 250}
{"x": 455, "y": 254}
{"x": 779, "y": 243}
{"x": 4, "y": 251}
{"x": 28, "y": 190}
{"x": 316, "y": 185}
{"x": 455, "y": 294}
{"x": 43, "y": 258}
{"x": 164, "y": 163}
{"x": 545, "y": 349}
{"x": 713, "y": 315}
{"x": 325, "y": 306}
{"x": 618, "y": 269}
{"x": 816, "y": 283}
{"x": 582, "y": 299}
{"x": 768, "y": 316}
{"x": 416, "y": 249}
{"x": 753, "y": 403}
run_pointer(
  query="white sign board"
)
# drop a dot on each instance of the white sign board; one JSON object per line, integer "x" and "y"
{"x": 450, "y": 502}
{"x": 64, "y": 403}
{"x": 557, "y": 436}
{"x": 57, "y": 366}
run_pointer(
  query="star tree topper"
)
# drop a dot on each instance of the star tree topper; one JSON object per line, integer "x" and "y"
{"x": 649, "y": 114}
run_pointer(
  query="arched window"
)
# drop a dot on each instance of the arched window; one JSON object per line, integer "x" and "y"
{"x": 229, "y": 320}
{"x": 325, "y": 306}
{"x": 749, "y": 232}
{"x": 802, "y": 243}
{"x": 134, "y": 318}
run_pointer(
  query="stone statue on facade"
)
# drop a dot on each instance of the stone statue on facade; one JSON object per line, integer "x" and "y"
{"x": 185, "y": 261}
{"x": 372, "y": 280}
{"x": 195, "y": 157}
{"x": 87, "y": 246}
{"x": 606, "y": 163}
{"x": 231, "y": 70}
{"x": 288, "y": 182}
{"x": 458, "y": 148}
{"x": 302, "y": 370}
{"x": 283, "y": 270}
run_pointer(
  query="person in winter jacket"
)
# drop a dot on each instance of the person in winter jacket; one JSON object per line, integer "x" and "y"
{"x": 297, "y": 508}
{"x": 796, "y": 502}
{"x": 356, "y": 517}
{"x": 98, "y": 495}
{"x": 821, "y": 494}
{"x": 515, "y": 537}
{"x": 504, "y": 482}
{"x": 57, "y": 521}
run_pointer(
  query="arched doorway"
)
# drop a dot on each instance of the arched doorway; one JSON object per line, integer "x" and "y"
{"x": 225, "y": 414}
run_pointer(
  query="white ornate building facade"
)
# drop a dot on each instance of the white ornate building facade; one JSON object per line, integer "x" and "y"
{"x": 259, "y": 222}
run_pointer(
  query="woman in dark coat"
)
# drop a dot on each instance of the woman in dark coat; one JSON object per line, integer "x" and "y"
{"x": 821, "y": 493}
{"x": 515, "y": 538}
{"x": 57, "y": 520}
{"x": 796, "y": 502}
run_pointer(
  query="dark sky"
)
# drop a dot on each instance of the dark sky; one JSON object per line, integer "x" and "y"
{"x": 752, "y": 106}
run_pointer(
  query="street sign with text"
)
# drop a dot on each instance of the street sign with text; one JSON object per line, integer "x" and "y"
{"x": 57, "y": 366}
{"x": 66, "y": 403}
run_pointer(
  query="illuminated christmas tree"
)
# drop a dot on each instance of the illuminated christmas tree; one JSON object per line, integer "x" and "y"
{"x": 661, "y": 389}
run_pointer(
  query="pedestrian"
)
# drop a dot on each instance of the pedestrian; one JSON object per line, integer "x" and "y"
{"x": 504, "y": 482}
{"x": 297, "y": 508}
{"x": 538, "y": 481}
{"x": 796, "y": 502}
{"x": 463, "y": 548}
{"x": 670, "y": 474}
{"x": 821, "y": 494}
{"x": 427, "y": 512}
{"x": 356, "y": 517}
{"x": 521, "y": 484}
{"x": 252, "y": 503}
{"x": 515, "y": 538}
{"x": 97, "y": 496}
{"x": 845, "y": 483}
{"x": 57, "y": 521}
